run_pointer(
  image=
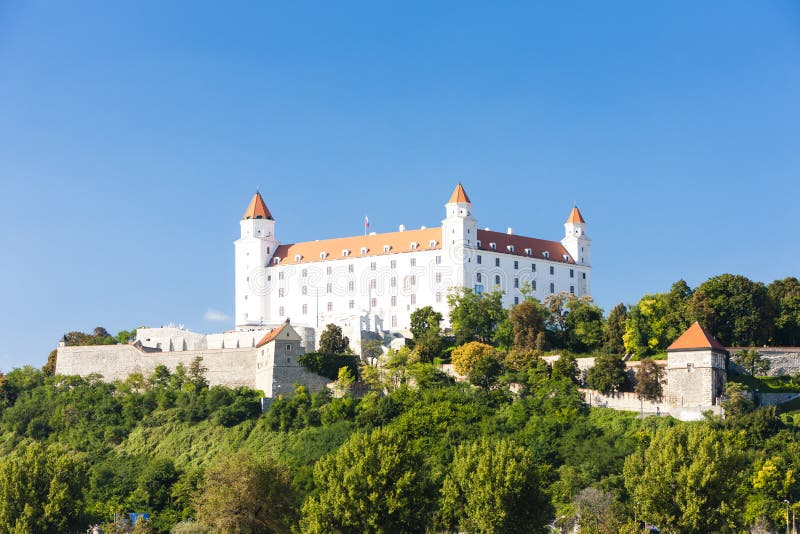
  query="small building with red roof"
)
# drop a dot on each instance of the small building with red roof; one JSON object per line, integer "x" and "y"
{"x": 696, "y": 369}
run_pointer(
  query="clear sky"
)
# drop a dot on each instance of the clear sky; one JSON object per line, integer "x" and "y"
{"x": 133, "y": 134}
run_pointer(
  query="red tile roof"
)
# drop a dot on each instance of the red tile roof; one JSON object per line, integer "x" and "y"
{"x": 257, "y": 209}
{"x": 696, "y": 337}
{"x": 575, "y": 216}
{"x": 271, "y": 335}
{"x": 459, "y": 195}
{"x": 398, "y": 242}
{"x": 555, "y": 250}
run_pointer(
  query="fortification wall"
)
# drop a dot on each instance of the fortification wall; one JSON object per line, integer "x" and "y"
{"x": 783, "y": 360}
{"x": 625, "y": 401}
{"x": 229, "y": 367}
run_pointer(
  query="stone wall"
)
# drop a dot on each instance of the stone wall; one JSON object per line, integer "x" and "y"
{"x": 624, "y": 401}
{"x": 695, "y": 378}
{"x": 783, "y": 360}
{"x": 229, "y": 367}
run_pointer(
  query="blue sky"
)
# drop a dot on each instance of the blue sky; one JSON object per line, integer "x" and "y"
{"x": 133, "y": 134}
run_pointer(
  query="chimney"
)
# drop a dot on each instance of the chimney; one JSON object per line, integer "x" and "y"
{"x": 402, "y": 228}
{"x": 510, "y": 231}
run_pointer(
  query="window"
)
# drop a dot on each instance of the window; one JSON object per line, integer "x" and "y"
{"x": 414, "y": 245}
{"x": 528, "y": 252}
{"x": 304, "y": 290}
{"x": 351, "y": 285}
{"x": 552, "y": 287}
{"x": 565, "y": 256}
{"x": 345, "y": 252}
{"x": 493, "y": 246}
{"x": 276, "y": 261}
{"x": 516, "y": 282}
{"x": 516, "y": 300}
{"x": 305, "y": 309}
{"x": 552, "y": 270}
{"x": 374, "y": 302}
{"x": 533, "y": 285}
{"x": 689, "y": 367}
{"x": 510, "y": 248}
{"x": 572, "y": 289}
{"x": 393, "y": 264}
{"x": 280, "y": 275}
{"x": 479, "y": 258}
{"x": 438, "y": 260}
{"x": 373, "y": 284}
{"x": 572, "y": 273}
{"x": 583, "y": 275}
{"x": 394, "y": 300}
{"x": 323, "y": 255}
{"x": 479, "y": 243}
{"x": 372, "y": 266}
{"x": 497, "y": 279}
{"x": 288, "y": 349}
{"x": 280, "y": 311}
{"x": 387, "y": 248}
{"x": 280, "y": 291}
{"x": 330, "y": 306}
{"x": 304, "y": 273}
{"x": 497, "y": 262}
{"x": 364, "y": 250}
{"x": 350, "y": 268}
{"x": 546, "y": 254}
{"x": 533, "y": 267}
{"x": 394, "y": 320}
{"x": 393, "y": 281}
{"x": 413, "y": 262}
{"x": 352, "y": 304}
{"x": 298, "y": 257}
{"x": 412, "y": 280}
{"x": 516, "y": 264}
{"x": 329, "y": 288}
{"x": 329, "y": 270}
{"x": 478, "y": 277}
{"x": 438, "y": 297}
{"x": 432, "y": 243}
{"x": 438, "y": 277}
{"x": 413, "y": 299}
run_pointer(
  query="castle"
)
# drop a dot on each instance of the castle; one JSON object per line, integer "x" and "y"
{"x": 371, "y": 284}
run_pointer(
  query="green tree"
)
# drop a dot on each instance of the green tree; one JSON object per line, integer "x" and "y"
{"x": 752, "y": 361}
{"x": 241, "y": 493}
{"x": 528, "y": 320}
{"x": 372, "y": 483}
{"x": 49, "y": 368}
{"x": 566, "y": 367}
{"x": 485, "y": 372}
{"x": 736, "y": 310}
{"x": 465, "y": 356}
{"x": 615, "y": 329}
{"x": 785, "y": 295}
{"x": 649, "y": 379}
{"x": 474, "y": 316}
{"x": 197, "y": 373}
{"x": 636, "y": 337}
{"x": 494, "y": 486}
{"x": 426, "y": 332}
{"x": 332, "y": 341}
{"x": 736, "y": 402}
{"x": 41, "y": 489}
{"x": 608, "y": 375}
{"x": 584, "y": 325}
{"x": 687, "y": 480}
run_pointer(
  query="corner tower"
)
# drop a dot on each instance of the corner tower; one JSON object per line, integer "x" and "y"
{"x": 575, "y": 240}
{"x": 696, "y": 375}
{"x": 253, "y": 251}
{"x": 459, "y": 234}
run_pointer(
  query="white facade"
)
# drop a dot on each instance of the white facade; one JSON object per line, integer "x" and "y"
{"x": 374, "y": 282}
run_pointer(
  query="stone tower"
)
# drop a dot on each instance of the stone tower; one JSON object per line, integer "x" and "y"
{"x": 696, "y": 375}
{"x": 459, "y": 234}
{"x": 253, "y": 251}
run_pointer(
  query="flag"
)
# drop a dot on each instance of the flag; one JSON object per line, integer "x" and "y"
{"x": 366, "y": 221}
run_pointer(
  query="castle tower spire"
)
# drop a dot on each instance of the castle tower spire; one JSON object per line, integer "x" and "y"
{"x": 575, "y": 240}
{"x": 257, "y": 209}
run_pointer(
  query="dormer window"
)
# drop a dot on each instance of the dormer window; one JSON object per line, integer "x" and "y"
{"x": 432, "y": 243}
{"x": 323, "y": 255}
{"x": 345, "y": 252}
{"x": 276, "y": 261}
{"x": 546, "y": 253}
{"x": 387, "y": 248}
{"x": 493, "y": 246}
{"x": 364, "y": 250}
{"x": 566, "y": 257}
{"x": 479, "y": 243}
{"x": 414, "y": 245}
{"x": 528, "y": 252}
{"x": 510, "y": 248}
{"x": 298, "y": 257}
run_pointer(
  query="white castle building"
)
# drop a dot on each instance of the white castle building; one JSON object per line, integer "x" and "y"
{"x": 372, "y": 283}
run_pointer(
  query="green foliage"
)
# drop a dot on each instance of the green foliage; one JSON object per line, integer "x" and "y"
{"x": 785, "y": 295}
{"x": 528, "y": 320}
{"x": 608, "y": 374}
{"x": 485, "y": 372}
{"x": 615, "y": 329}
{"x": 494, "y": 486}
{"x": 474, "y": 317}
{"x": 649, "y": 378}
{"x": 328, "y": 364}
{"x": 331, "y": 341}
{"x": 687, "y": 480}
{"x": 566, "y": 367}
{"x": 372, "y": 483}
{"x": 41, "y": 489}
{"x": 752, "y": 362}
{"x": 468, "y": 354}
{"x": 584, "y": 325}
